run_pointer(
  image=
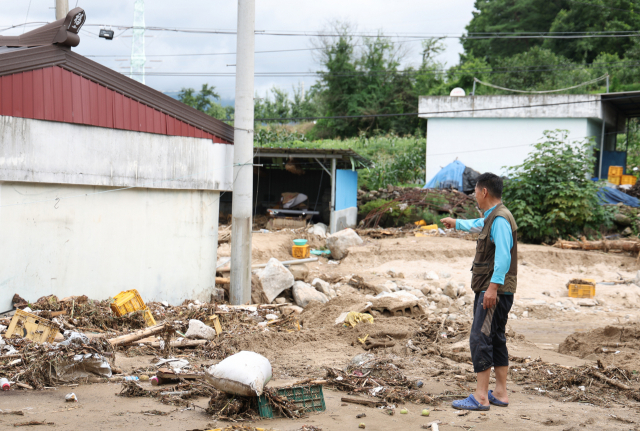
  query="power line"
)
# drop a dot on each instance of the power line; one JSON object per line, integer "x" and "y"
{"x": 597, "y": 66}
{"x": 409, "y": 114}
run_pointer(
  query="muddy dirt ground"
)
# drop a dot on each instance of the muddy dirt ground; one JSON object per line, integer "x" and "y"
{"x": 545, "y": 323}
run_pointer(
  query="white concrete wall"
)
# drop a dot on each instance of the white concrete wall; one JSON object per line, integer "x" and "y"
{"x": 488, "y": 144}
{"x": 343, "y": 219}
{"x": 62, "y": 153}
{"x": 512, "y": 106}
{"x": 161, "y": 242}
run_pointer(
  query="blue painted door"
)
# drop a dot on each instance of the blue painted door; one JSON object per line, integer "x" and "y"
{"x": 346, "y": 189}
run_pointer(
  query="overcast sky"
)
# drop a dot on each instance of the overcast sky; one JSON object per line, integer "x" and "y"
{"x": 392, "y": 18}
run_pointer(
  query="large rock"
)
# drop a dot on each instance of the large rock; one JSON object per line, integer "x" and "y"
{"x": 323, "y": 287}
{"x": 275, "y": 278}
{"x": 304, "y": 293}
{"x": 451, "y": 290}
{"x": 299, "y": 271}
{"x": 319, "y": 229}
{"x": 199, "y": 331}
{"x": 622, "y": 220}
{"x": 340, "y": 242}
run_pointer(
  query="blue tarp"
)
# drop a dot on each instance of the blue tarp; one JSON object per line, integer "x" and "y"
{"x": 611, "y": 196}
{"x": 449, "y": 177}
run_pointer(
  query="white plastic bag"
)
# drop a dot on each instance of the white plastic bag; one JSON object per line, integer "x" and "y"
{"x": 245, "y": 373}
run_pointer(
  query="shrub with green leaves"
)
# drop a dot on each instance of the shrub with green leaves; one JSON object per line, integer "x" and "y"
{"x": 551, "y": 194}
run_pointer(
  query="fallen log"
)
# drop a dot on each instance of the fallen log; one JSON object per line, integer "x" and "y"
{"x": 179, "y": 344}
{"x": 129, "y": 338}
{"x": 598, "y": 245}
{"x": 610, "y": 381}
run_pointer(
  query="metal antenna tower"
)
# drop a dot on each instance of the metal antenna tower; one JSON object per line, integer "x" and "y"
{"x": 138, "y": 58}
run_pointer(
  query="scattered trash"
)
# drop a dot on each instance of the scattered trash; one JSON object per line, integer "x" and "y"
{"x": 32, "y": 327}
{"x": 245, "y": 373}
{"x": 404, "y": 411}
{"x": 129, "y": 301}
{"x": 131, "y": 378}
{"x": 353, "y": 318}
{"x": 425, "y": 412}
{"x": 362, "y": 425}
{"x": 71, "y": 398}
{"x": 5, "y": 384}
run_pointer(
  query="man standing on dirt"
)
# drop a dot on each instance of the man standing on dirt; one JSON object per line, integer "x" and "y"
{"x": 494, "y": 280}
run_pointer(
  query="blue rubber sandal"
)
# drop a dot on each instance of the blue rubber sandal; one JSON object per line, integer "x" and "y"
{"x": 496, "y": 402}
{"x": 469, "y": 403}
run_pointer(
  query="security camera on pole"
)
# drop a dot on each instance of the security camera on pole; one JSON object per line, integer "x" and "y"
{"x": 240, "y": 289}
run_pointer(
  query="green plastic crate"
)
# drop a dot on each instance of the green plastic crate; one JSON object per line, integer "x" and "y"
{"x": 310, "y": 398}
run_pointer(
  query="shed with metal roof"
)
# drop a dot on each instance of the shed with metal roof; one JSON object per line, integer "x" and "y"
{"x": 105, "y": 184}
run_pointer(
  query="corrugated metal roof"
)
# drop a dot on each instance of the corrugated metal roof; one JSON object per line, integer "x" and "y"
{"x": 344, "y": 155}
{"x": 627, "y": 102}
{"x": 14, "y": 60}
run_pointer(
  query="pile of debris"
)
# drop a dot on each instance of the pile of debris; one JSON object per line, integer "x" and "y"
{"x": 412, "y": 202}
{"x": 596, "y": 385}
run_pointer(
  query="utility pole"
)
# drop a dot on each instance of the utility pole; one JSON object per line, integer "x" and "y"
{"x": 240, "y": 289}
{"x": 62, "y": 9}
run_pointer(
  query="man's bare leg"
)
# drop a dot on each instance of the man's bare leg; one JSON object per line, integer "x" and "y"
{"x": 482, "y": 387}
{"x": 500, "y": 392}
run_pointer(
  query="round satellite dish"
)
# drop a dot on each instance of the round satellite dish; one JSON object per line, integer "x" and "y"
{"x": 457, "y": 92}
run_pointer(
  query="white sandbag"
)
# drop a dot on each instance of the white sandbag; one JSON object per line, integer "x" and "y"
{"x": 245, "y": 373}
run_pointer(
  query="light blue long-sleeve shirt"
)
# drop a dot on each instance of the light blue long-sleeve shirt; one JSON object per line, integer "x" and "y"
{"x": 501, "y": 236}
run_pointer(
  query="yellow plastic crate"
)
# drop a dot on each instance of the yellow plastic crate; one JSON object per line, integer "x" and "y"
{"x": 615, "y": 180}
{"x": 129, "y": 301}
{"x": 616, "y": 171}
{"x": 582, "y": 290}
{"x": 301, "y": 251}
{"x": 32, "y": 327}
{"x": 628, "y": 179}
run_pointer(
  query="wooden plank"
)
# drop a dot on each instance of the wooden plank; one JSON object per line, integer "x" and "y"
{"x": 362, "y": 402}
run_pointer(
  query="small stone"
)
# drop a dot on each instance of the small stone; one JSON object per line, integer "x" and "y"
{"x": 303, "y": 293}
{"x": 300, "y": 271}
{"x": 432, "y": 275}
{"x": 547, "y": 293}
{"x": 291, "y": 309}
{"x": 324, "y": 287}
{"x": 280, "y": 300}
{"x": 199, "y": 331}
{"x": 445, "y": 275}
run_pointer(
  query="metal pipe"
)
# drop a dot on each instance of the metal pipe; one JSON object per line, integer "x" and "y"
{"x": 333, "y": 196}
{"x": 240, "y": 289}
{"x": 323, "y": 167}
{"x": 285, "y": 263}
{"x": 601, "y": 140}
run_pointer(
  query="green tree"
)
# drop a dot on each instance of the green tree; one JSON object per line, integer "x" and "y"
{"x": 205, "y": 101}
{"x": 551, "y": 194}
{"x": 507, "y": 16}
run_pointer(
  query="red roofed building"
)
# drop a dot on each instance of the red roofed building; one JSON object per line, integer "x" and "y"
{"x": 105, "y": 184}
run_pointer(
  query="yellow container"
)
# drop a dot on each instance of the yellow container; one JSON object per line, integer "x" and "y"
{"x": 301, "y": 251}
{"x": 615, "y": 180}
{"x": 582, "y": 290}
{"x": 129, "y": 301}
{"x": 32, "y": 327}
{"x": 616, "y": 171}
{"x": 430, "y": 227}
{"x": 628, "y": 179}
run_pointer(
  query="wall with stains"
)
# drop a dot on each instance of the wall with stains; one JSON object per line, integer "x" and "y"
{"x": 43, "y": 151}
{"x": 67, "y": 240}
